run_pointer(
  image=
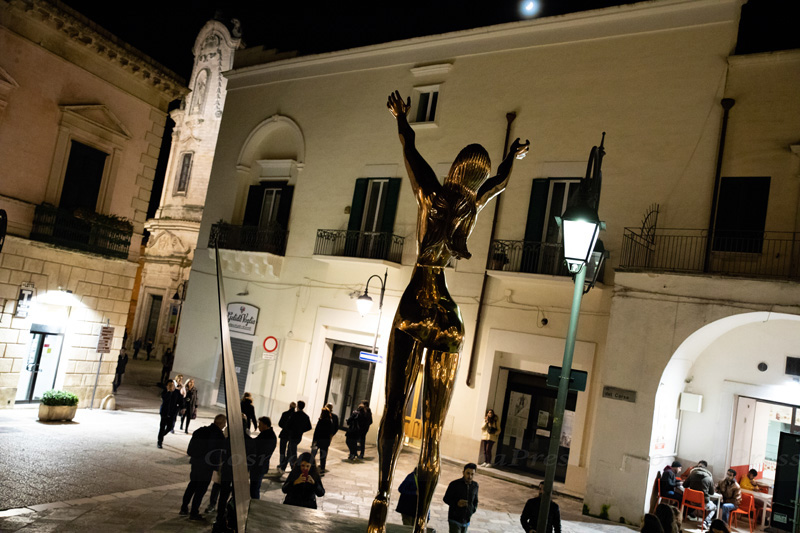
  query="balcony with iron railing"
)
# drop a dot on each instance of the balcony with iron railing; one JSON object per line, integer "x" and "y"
{"x": 82, "y": 231}
{"x": 248, "y": 238}
{"x": 361, "y": 244}
{"x": 527, "y": 257}
{"x": 768, "y": 254}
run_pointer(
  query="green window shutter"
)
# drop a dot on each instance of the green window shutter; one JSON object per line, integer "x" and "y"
{"x": 390, "y": 208}
{"x": 285, "y": 206}
{"x": 357, "y": 205}
{"x": 536, "y": 210}
{"x": 252, "y": 210}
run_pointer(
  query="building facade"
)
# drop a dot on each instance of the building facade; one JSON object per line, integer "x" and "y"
{"x": 173, "y": 230}
{"x": 309, "y": 155}
{"x": 79, "y": 154}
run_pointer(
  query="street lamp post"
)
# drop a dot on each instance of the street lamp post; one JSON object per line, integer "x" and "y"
{"x": 364, "y": 303}
{"x": 581, "y": 226}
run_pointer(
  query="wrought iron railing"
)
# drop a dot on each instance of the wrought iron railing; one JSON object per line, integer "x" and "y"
{"x": 248, "y": 238}
{"x": 769, "y": 254}
{"x": 63, "y": 228}
{"x": 527, "y": 256}
{"x": 366, "y": 244}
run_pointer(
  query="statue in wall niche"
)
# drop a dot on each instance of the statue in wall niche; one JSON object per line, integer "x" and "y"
{"x": 428, "y": 322}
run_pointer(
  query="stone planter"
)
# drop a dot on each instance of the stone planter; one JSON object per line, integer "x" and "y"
{"x": 51, "y": 413}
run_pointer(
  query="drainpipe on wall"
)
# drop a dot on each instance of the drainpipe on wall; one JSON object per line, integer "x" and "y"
{"x": 473, "y": 353}
{"x": 727, "y": 104}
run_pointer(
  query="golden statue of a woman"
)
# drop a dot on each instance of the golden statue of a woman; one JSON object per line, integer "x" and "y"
{"x": 428, "y": 321}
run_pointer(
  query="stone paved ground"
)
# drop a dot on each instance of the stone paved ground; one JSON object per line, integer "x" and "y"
{"x": 103, "y": 473}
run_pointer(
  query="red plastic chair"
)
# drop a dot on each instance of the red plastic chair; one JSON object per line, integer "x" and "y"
{"x": 745, "y": 508}
{"x": 670, "y": 501}
{"x": 694, "y": 499}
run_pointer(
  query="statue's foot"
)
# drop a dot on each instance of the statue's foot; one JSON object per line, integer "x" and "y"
{"x": 377, "y": 515}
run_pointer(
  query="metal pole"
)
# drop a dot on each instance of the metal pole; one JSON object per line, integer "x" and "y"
{"x": 561, "y": 402}
{"x": 97, "y": 376}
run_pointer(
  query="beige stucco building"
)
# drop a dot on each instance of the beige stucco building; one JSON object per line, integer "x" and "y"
{"x": 308, "y": 151}
{"x": 174, "y": 229}
{"x": 81, "y": 122}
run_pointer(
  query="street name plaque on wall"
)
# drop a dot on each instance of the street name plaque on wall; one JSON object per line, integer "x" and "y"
{"x": 619, "y": 394}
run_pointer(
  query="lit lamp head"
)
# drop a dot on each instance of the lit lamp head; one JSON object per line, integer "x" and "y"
{"x": 581, "y": 226}
{"x": 364, "y": 303}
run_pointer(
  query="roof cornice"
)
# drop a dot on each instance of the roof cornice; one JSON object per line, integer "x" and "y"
{"x": 86, "y": 33}
{"x": 642, "y": 17}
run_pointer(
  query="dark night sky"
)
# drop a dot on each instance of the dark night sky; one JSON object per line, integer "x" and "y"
{"x": 166, "y": 29}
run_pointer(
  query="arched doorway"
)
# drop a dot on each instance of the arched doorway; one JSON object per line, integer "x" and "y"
{"x": 725, "y": 396}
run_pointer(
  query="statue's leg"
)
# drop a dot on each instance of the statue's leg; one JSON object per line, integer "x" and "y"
{"x": 402, "y": 366}
{"x": 440, "y": 376}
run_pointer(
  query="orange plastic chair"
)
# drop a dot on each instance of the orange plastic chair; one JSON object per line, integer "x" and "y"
{"x": 694, "y": 499}
{"x": 745, "y": 508}
{"x": 670, "y": 501}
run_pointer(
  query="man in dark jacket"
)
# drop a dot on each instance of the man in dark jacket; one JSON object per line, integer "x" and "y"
{"x": 700, "y": 479}
{"x": 265, "y": 444}
{"x": 530, "y": 514}
{"x": 670, "y": 488}
{"x": 283, "y": 423}
{"x": 171, "y": 403}
{"x": 353, "y": 433}
{"x": 461, "y": 497}
{"x": 298, "y": 424}
{"x": 365, "y": 424}
{"x": 205, "y": 450}
{"x": 122, "y": 362}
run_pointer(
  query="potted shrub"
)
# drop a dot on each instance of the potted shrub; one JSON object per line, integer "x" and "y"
{"x": 57, "y": 405}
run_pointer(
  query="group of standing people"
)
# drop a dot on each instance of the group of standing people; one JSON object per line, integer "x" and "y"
{"x": 358, "y": 424}
{"x": 177, "y": 400}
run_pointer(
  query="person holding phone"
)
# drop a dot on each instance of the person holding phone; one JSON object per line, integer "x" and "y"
{"x": 304, "y": 483}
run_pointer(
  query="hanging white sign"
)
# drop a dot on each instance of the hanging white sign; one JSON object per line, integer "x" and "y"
{"x": 242, "y": 318}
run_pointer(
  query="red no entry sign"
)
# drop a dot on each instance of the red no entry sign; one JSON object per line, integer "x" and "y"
{"x": 270, "y": 344}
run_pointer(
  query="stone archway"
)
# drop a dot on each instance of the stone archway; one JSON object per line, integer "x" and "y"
{"x": 715, "y": 364}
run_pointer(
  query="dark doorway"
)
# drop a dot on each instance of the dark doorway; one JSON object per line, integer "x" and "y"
{"x": 349, "y": 380}
{"x": 152, "y": 318}
{"x": 83, "y": 178}
{"x": 527, "y": 422}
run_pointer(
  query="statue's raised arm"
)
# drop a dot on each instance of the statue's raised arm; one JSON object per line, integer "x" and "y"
{"x": 497, "y": 184}
{"x": 423, "y": 179}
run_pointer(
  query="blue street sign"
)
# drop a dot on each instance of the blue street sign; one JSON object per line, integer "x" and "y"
{"x": 371, "y": 357}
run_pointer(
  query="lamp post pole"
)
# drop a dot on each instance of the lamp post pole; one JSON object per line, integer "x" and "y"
{"x": 561, "y": 401}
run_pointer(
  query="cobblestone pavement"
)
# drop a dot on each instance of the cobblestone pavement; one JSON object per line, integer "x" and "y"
{"x": 103, "y": 472}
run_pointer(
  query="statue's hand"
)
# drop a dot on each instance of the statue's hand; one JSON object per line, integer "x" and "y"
{"x": 396, "y": 104}
{"x": 520, "y": 150}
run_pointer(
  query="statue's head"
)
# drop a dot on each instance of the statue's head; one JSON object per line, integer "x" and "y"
{"x": 471, "y": 167}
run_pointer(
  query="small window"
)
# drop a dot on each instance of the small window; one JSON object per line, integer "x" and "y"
{"x": 425, "y": 100}
{"x": 185, "y": 172}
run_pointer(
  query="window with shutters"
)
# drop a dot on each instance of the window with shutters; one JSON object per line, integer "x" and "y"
{"x": 265, "y": 223}
{"x": 741, "y": 214}
{"x": 542, "y": 249}
{"x": 372, "y": 215}
{"x": 184, "y": 173}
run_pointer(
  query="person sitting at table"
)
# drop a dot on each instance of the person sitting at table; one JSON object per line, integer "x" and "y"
{"x": 748, "y": 481}
{"x": 670, "y": 486}
{"x": 731, "y": 494}
{"x": 700, "y": 479}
